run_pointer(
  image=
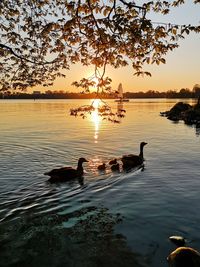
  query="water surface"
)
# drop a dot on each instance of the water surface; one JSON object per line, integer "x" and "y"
{"x": 109, "y": 219}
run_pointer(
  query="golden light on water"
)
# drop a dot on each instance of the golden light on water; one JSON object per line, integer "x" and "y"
{"x": 96, "y": 103}
{"x": 96, "y": 119}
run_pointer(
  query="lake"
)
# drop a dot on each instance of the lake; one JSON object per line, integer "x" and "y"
{"x": 107, "y": 219}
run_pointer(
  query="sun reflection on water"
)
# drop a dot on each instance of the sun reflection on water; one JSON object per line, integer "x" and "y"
{"x": 96, "y": 118}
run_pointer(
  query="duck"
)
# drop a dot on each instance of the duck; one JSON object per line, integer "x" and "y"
{"x": 113, "y": 161}
{"x": 115, "y": 167}
{"x": 102, "y": 167}
{"x": 131, "y": 161}
{"x": 66, "y": 173}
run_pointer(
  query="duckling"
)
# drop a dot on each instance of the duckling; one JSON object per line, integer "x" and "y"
{"x": 115, "y": 167}
{"x": 102, "y": 167}
{"x": 66, "y": 173}
{"x": 131, "y": 161}
{"x": 113, "y": 161}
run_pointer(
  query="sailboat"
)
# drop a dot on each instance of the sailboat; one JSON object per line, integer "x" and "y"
{"x": 120, "y": 94}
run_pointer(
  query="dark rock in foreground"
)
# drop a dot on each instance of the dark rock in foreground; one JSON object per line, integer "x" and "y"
{"x": 183, "y": 111}
{"x": 184, "y": 257}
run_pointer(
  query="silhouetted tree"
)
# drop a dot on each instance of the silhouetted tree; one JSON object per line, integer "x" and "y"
{"x": 185, "y": 93}
{"x": 196, "y": 90}
{"x": 38, "y": 39}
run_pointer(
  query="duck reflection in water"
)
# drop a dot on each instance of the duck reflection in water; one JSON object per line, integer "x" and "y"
{"x": 66, "y": 173}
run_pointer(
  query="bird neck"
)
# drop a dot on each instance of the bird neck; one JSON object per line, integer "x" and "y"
{"x": 141, "y": 152}
{"x": 80, "y": 167}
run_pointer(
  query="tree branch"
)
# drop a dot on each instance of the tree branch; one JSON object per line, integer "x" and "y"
{"x": 131, "y": 5}
{"x": 113, "y": 8}
{"x": 24, "y": 58}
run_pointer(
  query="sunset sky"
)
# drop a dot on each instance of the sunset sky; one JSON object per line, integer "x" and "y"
{"x": 182, "y": 68}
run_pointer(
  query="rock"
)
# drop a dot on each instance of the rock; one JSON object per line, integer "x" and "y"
{"x": 198, "y": 124}
{"x": 179, "y": 107}
{"x": 164, "y": 113}
{"x": 191, "y": 116}
{"x": 184, "y": 257}
{"x": 176, "y": 111}
{"x": 183, "y": 111}
{"x": 177, "y": 240}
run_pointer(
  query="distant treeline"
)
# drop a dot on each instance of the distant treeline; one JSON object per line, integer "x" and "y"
{"x": 182, "y": 93}
{"x": 52, "y": 95}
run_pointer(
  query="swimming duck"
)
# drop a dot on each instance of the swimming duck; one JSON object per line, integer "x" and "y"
{"x": 102, "y": 167}
{"x": 113, "y": 161}
{"x": 131, "y": 161}
{"x": 115, "y": 167}
{"x": 66, "y": 173}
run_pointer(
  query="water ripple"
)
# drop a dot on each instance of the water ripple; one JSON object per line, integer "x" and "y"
{"x": 155, "y": 203}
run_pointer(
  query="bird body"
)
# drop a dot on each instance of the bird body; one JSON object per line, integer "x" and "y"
{"x": 115, "y": 167}
{"x": 113, "y": 161}
{"x": 66, "y": 173}
{"x": 131, "y": 161}
{"x": 101, "y": 167}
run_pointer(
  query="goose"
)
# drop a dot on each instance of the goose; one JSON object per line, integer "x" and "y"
{"x": 66, "y": 173}
{"x": 102, "y": 167}
{"x": 131, "y": 161}
{"x": 113, "y": 161}
{"x": 115, "y": 167}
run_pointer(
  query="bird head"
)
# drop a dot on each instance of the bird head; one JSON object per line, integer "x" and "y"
{"x": 143, "y": 144}
{"x": 81, "y": 160}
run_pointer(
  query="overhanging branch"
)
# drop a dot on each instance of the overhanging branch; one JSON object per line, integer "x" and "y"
{"x": 24, "y": 58}
{"x": 131, "y": 5}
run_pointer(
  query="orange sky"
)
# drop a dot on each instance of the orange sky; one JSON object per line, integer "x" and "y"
{"x": 182, "y": 68}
